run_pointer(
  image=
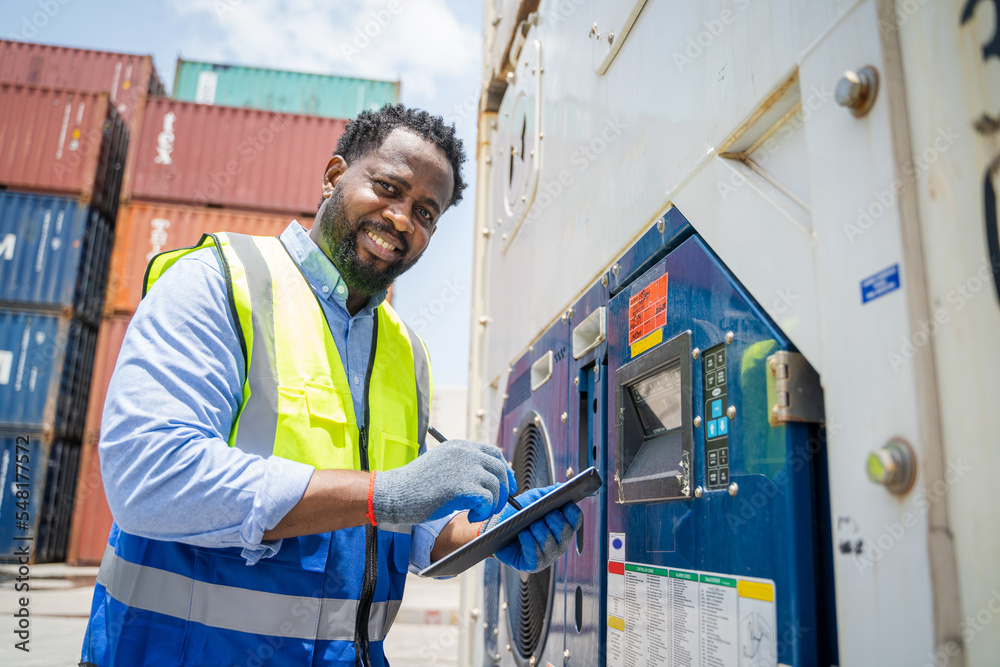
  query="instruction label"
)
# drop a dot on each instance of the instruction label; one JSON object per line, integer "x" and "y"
{"x": 683, "y": 618}
{"x": 647, "y": 309}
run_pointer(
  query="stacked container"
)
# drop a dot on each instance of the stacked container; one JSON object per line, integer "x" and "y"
{"x": 62, "y": 156}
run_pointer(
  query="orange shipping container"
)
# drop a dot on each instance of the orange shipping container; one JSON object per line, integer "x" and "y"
{"x": 145, "y": 229}
{"x": 248, "y": 159}
{"x": 62, "y": 142}
{"x": 91, "y": 514}
{"x": 109, "y": 344}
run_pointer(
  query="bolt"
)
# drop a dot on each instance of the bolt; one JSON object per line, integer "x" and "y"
{"x": 593, "y": 30}
{"x": 489, "y": 159}
{"x": 503, "y": 607}
{"x": 484, "y": 319}
{"x": 893, "y": 465}
{"x": 697, "y": 422}
{"x": 576, "y": 381}
{"x": 774, "y": 410}
{"x": 615, "y": 269}
{"x": 731, "y": 412}
{"x": 563, "y": 417}
{"x": 734, "y": 488}
{"x": 531, "y": 661}
{"x": 475, "y": 612}
{"x": 486, "y": 231}
{"x": 486, "y": 626}
{"x": 597, "y": 370}
{"x": 515, "y": 430}
{"x": 505, "y": 397}
{"x": 660, "y": 225}
{"x": 566, "y": 655}
{"x": 695, "y": 353}
{"x": 729, "y": 337}
{"x": 480, "y": 413}
{"x": 496, "y": 631}
{"x": 698, "y": 492}
{"x": 611, "y": 37}
{"x": 524, "y": 197}
{"x": 604, "y": 280}
{"x": 773, "y": 365}
{"x": 510, "y": 78}
{"x": 508, "y": 645}
{"x": 857, "y": 90}
{"x": 538, "y": 420}
{"x": 503, "y": 237}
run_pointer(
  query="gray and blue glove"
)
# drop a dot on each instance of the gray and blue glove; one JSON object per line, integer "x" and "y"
{"x": 456, "y": 475}
{"x": 544, "y": 541}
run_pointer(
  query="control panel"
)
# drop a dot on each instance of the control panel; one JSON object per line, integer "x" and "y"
{"x": 717, "y": 419}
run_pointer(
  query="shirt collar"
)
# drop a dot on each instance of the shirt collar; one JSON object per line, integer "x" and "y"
{"x": 320, "y": 272}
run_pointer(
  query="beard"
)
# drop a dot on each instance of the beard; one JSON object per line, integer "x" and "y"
{"x": 342, "y": 242}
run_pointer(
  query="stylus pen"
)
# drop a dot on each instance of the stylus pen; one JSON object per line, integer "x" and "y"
{"x": 440, "y": 438}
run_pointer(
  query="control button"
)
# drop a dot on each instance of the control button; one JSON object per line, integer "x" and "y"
{"x": 710, "y": 381}
{"x": 710, "y": 362}
{"x": 724, "y": 476}
{"x": 720, "y": 358}
{"x": 720, "y": 376}
{"x": 713, "y": 428}
{"x": 724, "y": 456}
{"x": 716, "y": 408}
{"x": 713, "y": 458}
{"x": 713, "y": 477}
{"x": 724, "y": 426}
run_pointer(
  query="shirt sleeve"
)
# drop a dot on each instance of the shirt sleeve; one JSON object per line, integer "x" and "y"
{"x": 169, "y": 473}
{"x": 422, "y": 539}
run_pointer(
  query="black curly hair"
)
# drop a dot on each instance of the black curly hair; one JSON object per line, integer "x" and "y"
{"x": 366, "y": 133}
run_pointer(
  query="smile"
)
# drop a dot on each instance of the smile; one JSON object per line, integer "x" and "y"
{"x": 381, "y": 242}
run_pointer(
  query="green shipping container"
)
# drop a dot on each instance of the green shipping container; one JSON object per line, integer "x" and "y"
{"x": 280, "y": 90}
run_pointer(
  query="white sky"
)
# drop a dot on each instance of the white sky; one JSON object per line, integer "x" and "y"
{"x": 433, "y": 46}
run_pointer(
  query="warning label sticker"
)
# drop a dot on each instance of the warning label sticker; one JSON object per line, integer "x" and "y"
{"x": 684, "y": 618}
{"x": 647, "y": 309}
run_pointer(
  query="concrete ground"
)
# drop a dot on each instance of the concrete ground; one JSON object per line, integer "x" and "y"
{"x": 425, "y": 631}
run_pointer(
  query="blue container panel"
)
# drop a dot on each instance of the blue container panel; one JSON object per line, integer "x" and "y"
{"x": 54, "y": 252}
{"x": 584, "y": 582}
{"x": 45, "y": 368}
{"x": 56, "y": 515}
{"x": 24, "y": 462}
{"x": 721, "y": 533}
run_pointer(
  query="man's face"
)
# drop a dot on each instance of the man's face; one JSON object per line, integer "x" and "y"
{"x": 380, "y": 211}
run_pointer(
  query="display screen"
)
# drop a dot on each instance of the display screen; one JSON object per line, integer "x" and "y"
{"x": 658, "y": 400}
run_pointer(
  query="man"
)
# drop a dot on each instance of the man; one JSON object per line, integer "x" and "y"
{"x": 260, "y": 439}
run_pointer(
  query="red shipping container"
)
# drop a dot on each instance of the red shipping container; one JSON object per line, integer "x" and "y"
{"x": 109, "y": 344}
{"x": 223, "y": 156}
{"x": 127, "y": 78}
{"x": 91, "y": 515}
{"x": 62, "y": 142}
{"x": 145, "y": 229}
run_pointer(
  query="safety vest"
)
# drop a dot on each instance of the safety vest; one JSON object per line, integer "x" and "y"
{"x": 322, "y": 599}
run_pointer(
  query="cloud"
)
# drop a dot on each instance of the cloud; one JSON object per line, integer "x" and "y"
{"x": 421, "y": 42}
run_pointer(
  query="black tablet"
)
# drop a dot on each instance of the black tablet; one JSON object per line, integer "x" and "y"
{"x": 505, "y": 532}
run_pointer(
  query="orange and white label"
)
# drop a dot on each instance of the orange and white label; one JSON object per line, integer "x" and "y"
{"x": 647, "y": 309}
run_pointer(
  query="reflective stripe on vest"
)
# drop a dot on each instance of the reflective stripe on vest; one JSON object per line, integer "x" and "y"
{"x": 230, "y": 608}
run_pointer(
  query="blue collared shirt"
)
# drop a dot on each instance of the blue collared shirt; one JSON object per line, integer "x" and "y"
{"x": 169, "y": 473}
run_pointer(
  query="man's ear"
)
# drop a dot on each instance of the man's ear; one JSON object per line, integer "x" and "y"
{"x": 335, "y": 168}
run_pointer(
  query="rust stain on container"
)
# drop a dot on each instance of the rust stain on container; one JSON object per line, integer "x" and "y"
{"x": 62, "y": 142}
{"x": 145, "y": 229}
{"x": 223, "y": 156}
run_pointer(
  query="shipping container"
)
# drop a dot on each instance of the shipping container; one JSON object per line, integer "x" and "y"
{"x": 237, "y": 158}
{"x": 45, "y": 367}
{"x": 62, "y": 142}
{"x": 92, "y": 518}
{"x": 109, "y": 343}
{"x": 38, "y": 476}
{"x": 127, "y": 78}
{"x": 280, "y": 90}
{"x": 145, "y": 229}
{"x": 54, "y": 252}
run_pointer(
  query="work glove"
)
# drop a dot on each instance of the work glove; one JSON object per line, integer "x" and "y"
{"x": 456, "y": 475}
{"x": 542, "y": 543}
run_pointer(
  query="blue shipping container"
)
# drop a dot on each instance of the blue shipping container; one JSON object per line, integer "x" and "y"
{"x": 37, "y": 490}
{"x": 54, "y": 253}
{"x": 45, "y": 367}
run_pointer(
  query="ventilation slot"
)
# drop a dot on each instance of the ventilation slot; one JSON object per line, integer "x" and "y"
{"x": 529, "y": 596}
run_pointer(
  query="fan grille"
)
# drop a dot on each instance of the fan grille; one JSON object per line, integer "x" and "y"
{"x": 529, "y": 596}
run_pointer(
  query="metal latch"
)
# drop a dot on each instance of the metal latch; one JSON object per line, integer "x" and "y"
{"x": 794, "y": 393}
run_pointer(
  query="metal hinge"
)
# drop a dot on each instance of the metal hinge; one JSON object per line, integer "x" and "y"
{"x": 794, "y": 393}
